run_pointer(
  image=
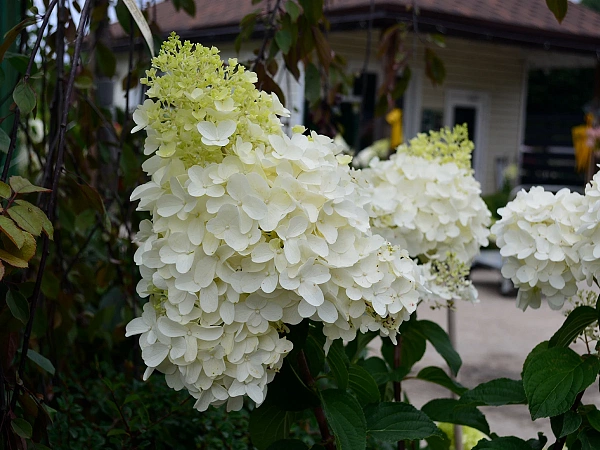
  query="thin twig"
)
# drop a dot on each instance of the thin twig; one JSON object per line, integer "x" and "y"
{"x": 260, "y": 56}
{"x": 398, "y": 384}
{"x": 12, "y": 145}
{"x": 328, "y": 440}
{"x": 17, "y": 118}
{"x": 80, "y": 251}
{"x": 50, "y": 210}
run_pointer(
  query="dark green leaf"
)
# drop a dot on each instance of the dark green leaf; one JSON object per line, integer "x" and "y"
{"x": 116, "y": 432}
{"x": 576, "y": 322}
{"x": 539, "y": 443}
{"x": 41, "y": 361}
{"x": 401, "y": 84}
{"x": 22, "y": 427}
{"x": 377, "y": 368}
{"x": 18, "y": 305}
{"x": 11, "y": 35}
{"x": 593, "y": 418}
{"x": 503, "y": 443}
{"x": 24, "y": 97}
{"x": 434, "y": 67}
{"x": 288, "y": 392}
{"x": 438, "y": 442}
{"x": 558, "y": 8}
{"x": 288, "y": 444}
{"x": 268, "y": 423}
{"x": 107, "y": 61}
{"x": 439, "y": 376}
{"x": 542, "y": 346}
{"x": 4, "y": 141}
{"x": 338, "y": 363}
{"x": 123, "y": 16}
{"x": 324, "y": 52}
{"x": 292, "y": 9}
{"x": 18, "y": 61}
{"x": 312, "y": 78}
{"x": 502, "y": 391}
{"x": 284, "y": 40}
{"x": 412, "y": 348}
{"x": 391, "y": 421}
{"x": 354, "y": 348}
{"x": 93, "y": 198}
{"x": 590, "y": 439}
{"x": 315, "y": 356}
{"x": 565, "y": 424}
{"x": 441, "y": 342}
{"x": 553, "y": 378}
{"x": 451, "y": 411}
{"x": 363, "y": 385}
{"x": 346, "y": 418}
{"x": 313, "y": 10}
{"x": 189, "y": 6}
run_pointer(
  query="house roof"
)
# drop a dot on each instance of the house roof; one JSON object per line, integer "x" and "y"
{"x": 513, "y": 21}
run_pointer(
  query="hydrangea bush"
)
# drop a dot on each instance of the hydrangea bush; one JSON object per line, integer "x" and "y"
{"x": 538, "y": 238}
{"x": 250, "y": 231}
{"x": 425, "y": 199}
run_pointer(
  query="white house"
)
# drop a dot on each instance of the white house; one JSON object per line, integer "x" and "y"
{"x": 490, "y": 45}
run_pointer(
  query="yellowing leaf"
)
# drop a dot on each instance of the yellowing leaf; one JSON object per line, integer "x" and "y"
{"x": 5, "y": 191}
{"x": 12, "y": 259}
{"x": 141, "y": 23}
{"x": 27, "y": 250}
{"x": 47, "y": 226}
{"x": 8, "y": 227}
{"x": 26, "y": 219}
{"x": 23, "y": 186}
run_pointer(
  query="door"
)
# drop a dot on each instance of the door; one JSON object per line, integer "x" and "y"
{"x": 472, "y": 108}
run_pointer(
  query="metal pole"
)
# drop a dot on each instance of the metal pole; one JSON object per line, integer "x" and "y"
{"x": 452, "y": 334}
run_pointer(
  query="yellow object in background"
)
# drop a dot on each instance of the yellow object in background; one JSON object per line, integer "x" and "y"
{"x": 583, "y": 151}
{"x": 394, "y": 118}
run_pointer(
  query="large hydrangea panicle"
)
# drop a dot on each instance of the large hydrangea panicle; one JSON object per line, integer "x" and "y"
{"x": 589, "y": 247}
{"x": 250, "y": 231}
{"x": 426, "y": 200}
{"x": 538, "y": 238}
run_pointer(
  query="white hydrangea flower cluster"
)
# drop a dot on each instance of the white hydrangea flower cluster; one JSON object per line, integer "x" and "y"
{"x": 447, "y": 281}
{"x": 251, "y": 231}
{"x": 425, "y": 199}
{"x": 538, "y": 239}
{"x": 427, "y": 206}
{"x": 589, "y": 247}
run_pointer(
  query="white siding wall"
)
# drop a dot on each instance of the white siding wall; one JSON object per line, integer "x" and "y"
{"x": 477, "y": 66}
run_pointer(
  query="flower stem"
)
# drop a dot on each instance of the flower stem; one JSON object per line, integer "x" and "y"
{"x": 398, "y": 384}
{"x": 328, "y": 439}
